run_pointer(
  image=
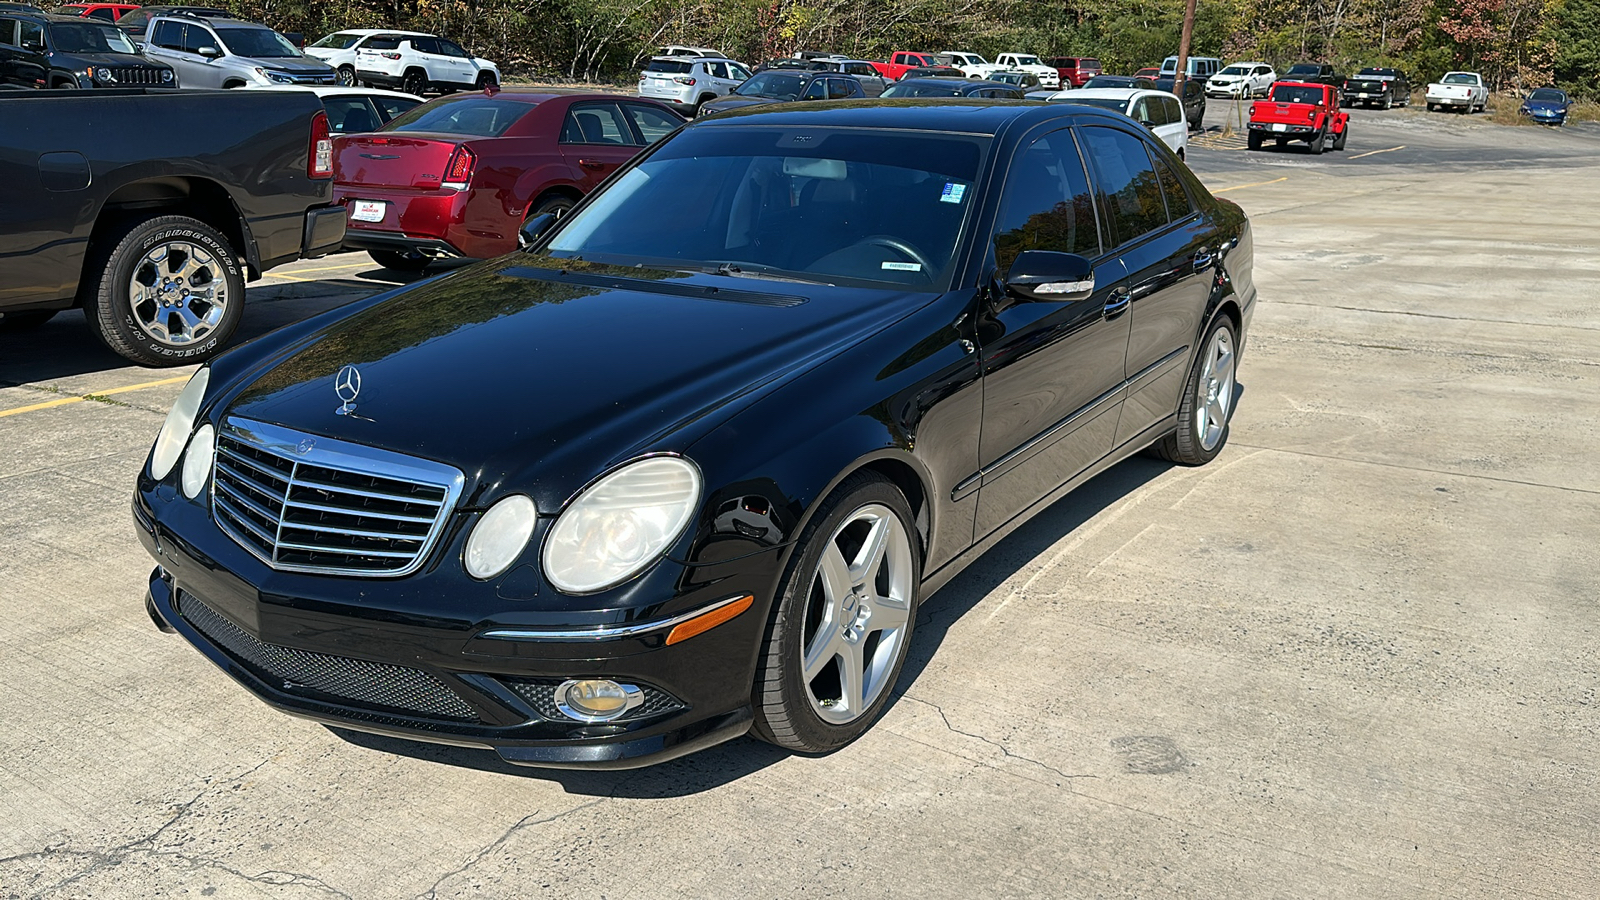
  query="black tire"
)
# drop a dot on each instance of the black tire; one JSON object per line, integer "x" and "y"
{"x": 485, "y": 79}
{"x": 1319, "y": 143}
{"x": 1338, "y": 142}
{"x": 1184, "y": 446}
{"x": 414, "y": 83}
{"x": 556, "y": 204}
{"x": 783, "y": 707}
{"x": 65, "y": 85}
{"x": 25, "y": 320}
{"x": 1388, "y": 101}
{"x": 400, "y": 260}
{"x": 347, "y": 76}
{"x": 232, "y": 85}
{"x": 1254, "y": 141}
{"x": 109, "y": 304}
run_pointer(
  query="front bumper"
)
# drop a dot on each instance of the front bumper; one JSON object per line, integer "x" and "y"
{"x": 331, "y": 650}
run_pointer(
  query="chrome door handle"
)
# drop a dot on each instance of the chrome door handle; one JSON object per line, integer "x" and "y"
{"x": 1202, "y": 260}
{"x": 1117, "y": 304}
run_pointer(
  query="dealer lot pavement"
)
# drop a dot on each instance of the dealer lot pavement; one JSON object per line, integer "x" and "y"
{"x": 1355, "y": 656}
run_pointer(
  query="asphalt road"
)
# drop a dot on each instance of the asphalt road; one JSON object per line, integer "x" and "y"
{"x": 1353, "y": 657}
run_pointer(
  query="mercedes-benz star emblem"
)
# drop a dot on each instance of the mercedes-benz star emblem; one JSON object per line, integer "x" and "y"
{"x": 347, "y": 384}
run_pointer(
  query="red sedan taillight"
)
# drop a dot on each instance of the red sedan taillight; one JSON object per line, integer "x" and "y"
{"x": 319, "y": 161}
{"x": 458, "y": 172}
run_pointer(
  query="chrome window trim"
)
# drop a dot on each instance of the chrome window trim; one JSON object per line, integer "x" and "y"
{"x": 287, "y": 444}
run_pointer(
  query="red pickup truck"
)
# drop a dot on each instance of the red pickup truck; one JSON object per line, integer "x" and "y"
{"x": 1300, "y": 111}
{"x": 902, "y": 61}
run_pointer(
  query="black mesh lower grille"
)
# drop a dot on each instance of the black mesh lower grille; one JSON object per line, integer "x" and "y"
{"x": 540, "y": 694}
{"x": 369, "y": 683}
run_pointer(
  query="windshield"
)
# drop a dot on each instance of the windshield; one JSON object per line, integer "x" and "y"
{"x": 773, "y": 85}
{"x": 1027, "y": 60}
{"x": 474, "y": 114}
{"x": 1115, "y": 104}
{"x": 1235, "y": 70}
{"x": 1375, "y": 72}
{"x": 842, "y": 206}
{"x": 1285, "y": 93}
{"x": 1548, "y": 95}
{"x": 73, "y": 37}
{"x": 258, "y": 43}
{"x": 341, "y": 41}
{"x": 915, "y": 88}
{"x": 1303, "y": 70}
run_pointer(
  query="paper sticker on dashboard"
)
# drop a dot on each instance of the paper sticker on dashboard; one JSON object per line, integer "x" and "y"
{"x": 952, "y": 193}
{"x": 903, "y": 267}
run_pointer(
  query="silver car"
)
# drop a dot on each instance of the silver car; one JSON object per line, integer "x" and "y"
{"x": 224, "y": 53}
{"x": 872, "y": 81}
{"x": 684, "y": 82}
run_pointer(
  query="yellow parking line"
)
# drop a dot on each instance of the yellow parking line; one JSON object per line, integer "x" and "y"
{"x": 79, "y": 399}
{"x": 1370, "y": 152}
{"x": 1252, "y": 184}
{"x": 298, "y": 276}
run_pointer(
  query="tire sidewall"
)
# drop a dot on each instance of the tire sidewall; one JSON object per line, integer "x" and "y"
{"x": 786, "y": 631}
{"x": 114, "y": 292}
{"x": 1188, "y": 445}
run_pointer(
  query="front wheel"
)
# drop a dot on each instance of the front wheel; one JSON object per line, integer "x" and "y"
{"x": 485, "y": 79}
{"x": 842, "y": 622}
{"x": 1206, "y": 407}
{"x": 347, "y": 76}
{"x": 1338, "y": 142}
{"x": 168, "y": 291}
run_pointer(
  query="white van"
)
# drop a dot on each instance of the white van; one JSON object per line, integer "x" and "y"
{"x": 1201, "y": 68}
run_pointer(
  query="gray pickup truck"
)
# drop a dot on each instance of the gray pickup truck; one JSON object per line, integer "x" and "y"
{"x": 154, "y": 230}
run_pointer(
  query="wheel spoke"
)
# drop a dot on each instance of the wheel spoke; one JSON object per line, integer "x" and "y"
{"x": 836, "y": 580}
{"x": 824, "y": 647}
{"x": 871, "y": 553}
{"x": 852, "y": 675}
{"x": 191, "y": 322}
{"x": 888, "y": 615}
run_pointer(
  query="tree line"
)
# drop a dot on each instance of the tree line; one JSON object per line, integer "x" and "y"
{"x": 1514, "y": 43}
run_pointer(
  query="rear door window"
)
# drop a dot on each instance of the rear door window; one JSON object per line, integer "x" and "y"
{"x": 839, "y": 88}
{"x": 425, "y": 45}
{"x": 1128, "y": 182}
{"x": 1178, "y": 204}
{"x": 653, "y": 124}
{"x": 595, "y": 123}
{"x": 351, "y": 115}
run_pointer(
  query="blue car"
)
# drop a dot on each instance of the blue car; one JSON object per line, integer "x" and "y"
{"x": 1547, "y": 106}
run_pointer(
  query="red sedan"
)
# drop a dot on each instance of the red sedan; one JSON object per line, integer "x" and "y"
{"x": 457, "y": 177}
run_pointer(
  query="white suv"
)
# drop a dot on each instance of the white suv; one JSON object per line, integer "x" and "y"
{"x": 415, "y": 62}
{"x": 684, "y": 82}
{"x": 1242, "y": 79}
{"x": 1026, "y": 62}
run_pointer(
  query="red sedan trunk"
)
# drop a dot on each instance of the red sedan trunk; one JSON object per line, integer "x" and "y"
{"x": 457, "y": 177}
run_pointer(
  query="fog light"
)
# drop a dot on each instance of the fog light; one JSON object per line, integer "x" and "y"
{"x": 596, "y": 699}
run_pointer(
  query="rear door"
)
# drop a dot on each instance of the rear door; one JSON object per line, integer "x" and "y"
{"x": 1161, "y": 240}
{"x": 595, "y": 141}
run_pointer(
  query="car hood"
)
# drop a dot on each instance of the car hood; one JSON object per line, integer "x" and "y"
{"x": 544, "y": 373}
{"x": 734, "y": 102}
{"x": 302, "y": 66}
{"x": 1548, "y": 106}
{"x": 118, "y": 60}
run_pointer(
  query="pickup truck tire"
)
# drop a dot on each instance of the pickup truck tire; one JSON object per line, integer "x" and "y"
{"x": 180, "y": 253}
{"x": 399, "y": 261}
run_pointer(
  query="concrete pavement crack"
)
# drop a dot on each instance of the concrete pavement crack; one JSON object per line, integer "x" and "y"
{"x": 991, "y": 742}
{"x": 527, "y": 821}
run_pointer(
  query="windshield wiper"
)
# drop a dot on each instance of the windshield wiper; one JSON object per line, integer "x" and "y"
{"x": 755, "y": 270}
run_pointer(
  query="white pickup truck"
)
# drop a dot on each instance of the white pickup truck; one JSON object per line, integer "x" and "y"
{"x": 972, "y": 64}
{"x": 1458, "y": 90}
{"x": 1049, "y": 76}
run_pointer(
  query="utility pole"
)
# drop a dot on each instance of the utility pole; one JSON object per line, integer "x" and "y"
{"x": 1179, "y": 76}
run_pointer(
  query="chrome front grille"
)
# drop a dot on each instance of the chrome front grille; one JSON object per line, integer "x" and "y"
{"x": 303, "y": 503}
{"x": 137, "y": 75}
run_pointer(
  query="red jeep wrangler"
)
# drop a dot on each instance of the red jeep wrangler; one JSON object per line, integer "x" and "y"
{"x": 1299, "y": 111}
{"x": 903, "y": 61}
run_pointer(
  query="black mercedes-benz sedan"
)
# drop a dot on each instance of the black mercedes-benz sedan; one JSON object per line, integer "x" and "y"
{"x": 636, "y": 489}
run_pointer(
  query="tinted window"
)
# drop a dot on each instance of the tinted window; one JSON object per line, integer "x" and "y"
{"x": 340, "y": 41}
{"x": 775, "y": 85}
{"x": 195, "y": 37}
{"x": 669, "y": 66}
{"x": 1128, "y": 182}
{"x": 89, "y": 38}
{"x": 473, "y": 114}
{"x": 1178, "y": 205}
{"x": 451, "y": 48}
{"x": 815, "y": 90}
{"x": 31, "y": 36}
{"x": 839, "y": 88}
{"x": 595, "y": 123}
{"x": 258, "y": 43}
{"x": 351, "y": 115}
{"x": 389, "y": 107}
{"x": 425, "y": 45}
{"x": 1046, "y": 203}
{"x": 653, "y": 123}
{"x": 105, "y": 13}
{"x": 860, "y": 69}
{"x": 168, "y": 35}
{"x": 382, "y": 42}
{"x": 1172, "y": 113}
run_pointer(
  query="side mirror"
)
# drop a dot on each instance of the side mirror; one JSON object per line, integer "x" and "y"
{"x": 1147, "y": 123}
{"x": 534, "y": 228}
{"x": 1049, "y": 275}
{"x": 209, "y": 52}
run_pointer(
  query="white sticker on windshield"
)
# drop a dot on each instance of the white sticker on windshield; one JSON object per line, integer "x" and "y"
{"x": 953, "y": 193}
{"x": 903, "y": 267}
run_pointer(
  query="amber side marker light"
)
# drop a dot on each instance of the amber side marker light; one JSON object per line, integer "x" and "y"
{"x": 702, "y": 624}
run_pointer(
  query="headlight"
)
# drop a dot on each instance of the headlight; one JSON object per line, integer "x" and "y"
{"x": 166, "y": 75}
{"x": 197, "y": 462}
{"x": 175, "y": 431}
{"x": 621, "y": 524}
{"x": 498, "y": 538}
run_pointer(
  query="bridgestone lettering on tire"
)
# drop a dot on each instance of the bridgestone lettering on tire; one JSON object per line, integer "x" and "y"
{"x": 168, "y": 291}
{"x": 842, "y": 622}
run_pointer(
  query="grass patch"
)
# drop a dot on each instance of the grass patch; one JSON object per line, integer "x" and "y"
{"x": 1506, "y": 109}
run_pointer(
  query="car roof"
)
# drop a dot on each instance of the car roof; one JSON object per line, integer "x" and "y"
{"x": 1109, "y": 93}
{"x": 1251, "y": 62}
{"x": 948, "y": 114}
{"x": 398, "y": 32}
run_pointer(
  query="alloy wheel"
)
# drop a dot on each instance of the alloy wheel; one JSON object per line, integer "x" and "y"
{"x": 1214, "y": 393}
{"x": 857, "y": 616}
{"x": 177, "y": 293}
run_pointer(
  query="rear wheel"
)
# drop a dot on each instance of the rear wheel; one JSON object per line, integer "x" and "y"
{"x": 1320, "y": 142}
{"x": 1388, "y": 101}
{"x": 1254, "y": 141}
{"x": 347, "y": 76}
{"x": 414, "y": 82}
{"x": 400, "y": 260}
{"x": 169, "y": 291}
{"x": 1206, "y": 409}
{"x": 842, "y": 622}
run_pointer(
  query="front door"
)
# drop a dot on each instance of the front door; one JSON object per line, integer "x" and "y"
{"x": 1052, "y": 371}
